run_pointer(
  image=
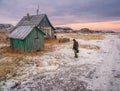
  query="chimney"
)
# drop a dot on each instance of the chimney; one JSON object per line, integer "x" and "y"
{"x": 28, "y": 16}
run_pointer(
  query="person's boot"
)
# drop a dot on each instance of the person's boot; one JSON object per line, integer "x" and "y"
{"x": 76, "y": 56}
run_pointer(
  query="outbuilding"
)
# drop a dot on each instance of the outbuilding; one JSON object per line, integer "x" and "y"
{"x": 27, "y": 38}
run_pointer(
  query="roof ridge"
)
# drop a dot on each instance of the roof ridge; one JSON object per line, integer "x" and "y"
{"x": 35, "y": 15}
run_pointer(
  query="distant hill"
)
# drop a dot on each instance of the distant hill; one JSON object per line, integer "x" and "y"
{"x": 102, "y": 31}
{"x": 6, "y": 27}
{"x": 109, "y": 31}
{"x": 63, "y": 29}
{"x": 2, "y": 26}
{"x": 86, "y": 30}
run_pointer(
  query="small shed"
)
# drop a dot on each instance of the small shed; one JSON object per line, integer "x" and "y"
{"x": 27, "y": 38}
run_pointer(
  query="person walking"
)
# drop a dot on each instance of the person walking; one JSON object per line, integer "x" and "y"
{"x": 75, "y": 47}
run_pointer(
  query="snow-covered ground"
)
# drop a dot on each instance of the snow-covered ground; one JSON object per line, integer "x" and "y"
{"x": 93, "y": 70}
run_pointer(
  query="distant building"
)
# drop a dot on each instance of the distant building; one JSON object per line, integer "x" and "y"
{"x": 27, "y": 38}
{"x": 41, "y": 21}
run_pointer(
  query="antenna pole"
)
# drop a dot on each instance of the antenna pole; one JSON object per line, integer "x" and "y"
{"x": 38, "y": 10}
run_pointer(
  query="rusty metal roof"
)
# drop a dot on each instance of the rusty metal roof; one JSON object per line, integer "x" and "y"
{"x": 20, "y": 32}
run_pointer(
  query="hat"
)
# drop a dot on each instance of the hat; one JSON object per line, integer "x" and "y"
{"x": 73, "y": 39}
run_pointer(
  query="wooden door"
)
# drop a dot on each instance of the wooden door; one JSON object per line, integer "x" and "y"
{"x": 37, "y": 44}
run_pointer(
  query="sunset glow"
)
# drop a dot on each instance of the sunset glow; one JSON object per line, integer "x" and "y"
{"x": 111, "y": 25}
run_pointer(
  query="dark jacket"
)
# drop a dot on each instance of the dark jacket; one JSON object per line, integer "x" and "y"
{"x": 75, "y": 45}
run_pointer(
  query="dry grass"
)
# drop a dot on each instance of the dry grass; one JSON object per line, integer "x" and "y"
{"x": 118, "y": 34}
{"x": 14, "y": 60}
{"x": 3, "y": 36}
{"x": 87, "y": 36}
{"x": 51, "y": 45}
{"x": 4, "y": 41}
{"x": 14, "y": 67}
{"x": 10, "y": 67}
{"x": 51, "y": 41}
{"x": 13, "y": 52}
{"x": 91, "y": 47}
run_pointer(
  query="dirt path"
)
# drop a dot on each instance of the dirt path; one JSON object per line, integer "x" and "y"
{"x": 107, "y": 75}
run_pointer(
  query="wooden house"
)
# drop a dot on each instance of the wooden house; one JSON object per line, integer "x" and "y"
{"x": 41, "y": 21}
{"x": 27, "y": 38}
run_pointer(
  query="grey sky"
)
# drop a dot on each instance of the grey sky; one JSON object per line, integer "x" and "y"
{"x": 62, "y": 11}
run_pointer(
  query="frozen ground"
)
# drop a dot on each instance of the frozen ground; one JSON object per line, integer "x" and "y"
{"x": 94, "y": 70}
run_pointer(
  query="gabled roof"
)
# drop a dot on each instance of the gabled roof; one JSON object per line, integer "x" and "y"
{"x": 21, "y": 32}
{"x": 33, "y": 20}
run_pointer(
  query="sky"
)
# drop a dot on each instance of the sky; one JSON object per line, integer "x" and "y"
{"x": 77, "y": 14}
